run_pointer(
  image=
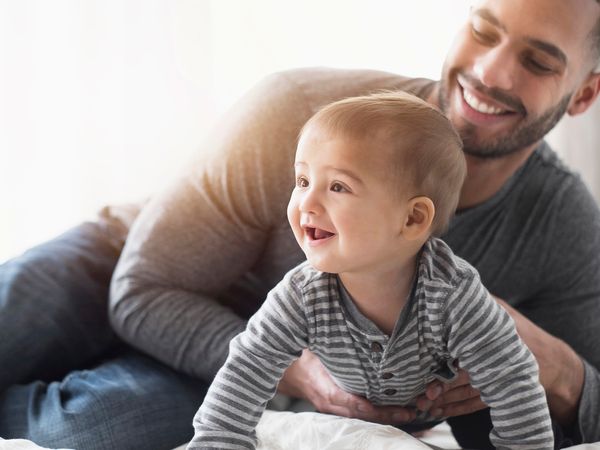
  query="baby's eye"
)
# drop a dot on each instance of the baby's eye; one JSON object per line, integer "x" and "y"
{"x": 301, "y": 182}
{"x": 338, "y": 187}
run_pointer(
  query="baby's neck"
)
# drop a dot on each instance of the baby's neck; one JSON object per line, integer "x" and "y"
{"x": 380, "y": 296}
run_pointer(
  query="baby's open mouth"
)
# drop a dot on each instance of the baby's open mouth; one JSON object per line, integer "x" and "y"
{"x": 316, "y": 234}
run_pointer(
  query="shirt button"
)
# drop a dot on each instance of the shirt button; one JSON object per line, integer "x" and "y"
{"x": 387, "y": 376}
{"x": 390, "y": 391}
{"x": 376, "y": 347}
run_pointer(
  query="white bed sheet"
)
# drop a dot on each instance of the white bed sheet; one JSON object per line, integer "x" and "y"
{"x": 279, "y": 430}
{"x": 313, "y": 431}
{"x": 309, "y": 431}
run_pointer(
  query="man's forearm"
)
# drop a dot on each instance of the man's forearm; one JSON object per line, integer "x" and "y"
{"x": 565, "y": 392}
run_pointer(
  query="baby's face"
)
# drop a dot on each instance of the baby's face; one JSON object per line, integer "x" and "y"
{"x": 343, "y": 211}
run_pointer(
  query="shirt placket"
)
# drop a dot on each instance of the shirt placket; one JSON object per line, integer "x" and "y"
{"x": 382, "y": 377}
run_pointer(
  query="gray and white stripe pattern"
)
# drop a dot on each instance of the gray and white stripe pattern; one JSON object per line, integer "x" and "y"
{"x": 450, "y": 316}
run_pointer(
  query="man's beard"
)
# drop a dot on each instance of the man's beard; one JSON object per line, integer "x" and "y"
{"x": 527, "y": 132}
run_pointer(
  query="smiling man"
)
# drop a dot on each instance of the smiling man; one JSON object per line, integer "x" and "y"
{"x": 202, "y": 256}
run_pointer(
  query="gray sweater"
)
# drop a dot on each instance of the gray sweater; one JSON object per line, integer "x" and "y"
{"x": 448, "y": 316}
{"x": 201, "y": 257}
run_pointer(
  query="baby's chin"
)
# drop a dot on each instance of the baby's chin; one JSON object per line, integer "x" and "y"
{"x": 320, "y": 265}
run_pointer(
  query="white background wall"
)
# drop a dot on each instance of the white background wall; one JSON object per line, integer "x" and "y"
{"x": 104, "y": 101}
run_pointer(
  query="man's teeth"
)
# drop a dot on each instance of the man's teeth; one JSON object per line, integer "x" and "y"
{"x": 480, "y": 106}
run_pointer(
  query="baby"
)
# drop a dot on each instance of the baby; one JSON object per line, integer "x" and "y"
{"x": 384, "y": 304}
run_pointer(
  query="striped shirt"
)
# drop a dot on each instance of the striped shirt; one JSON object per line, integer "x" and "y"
{"x": 449, "y": 316}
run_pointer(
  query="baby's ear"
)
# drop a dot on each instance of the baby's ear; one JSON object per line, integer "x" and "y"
{"x": 420, "y": 214}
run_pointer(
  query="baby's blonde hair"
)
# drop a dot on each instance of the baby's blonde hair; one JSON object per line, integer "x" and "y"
{"x": 426, "y": 150}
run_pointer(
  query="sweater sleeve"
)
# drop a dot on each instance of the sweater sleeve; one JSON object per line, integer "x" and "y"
{"x": 482, "y": 336}
{"x": 192, "y": 242}
{"x": 235, "y": 401}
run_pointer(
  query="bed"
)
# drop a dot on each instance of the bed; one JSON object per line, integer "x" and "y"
{"x": 285, "y": 430}
{"x": 280, "y": 430}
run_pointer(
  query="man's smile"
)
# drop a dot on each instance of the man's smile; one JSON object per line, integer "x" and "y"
{"x": 480, "y": 107}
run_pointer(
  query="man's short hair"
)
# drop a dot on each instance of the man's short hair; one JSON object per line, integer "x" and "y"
{"x": 425, "y": 150}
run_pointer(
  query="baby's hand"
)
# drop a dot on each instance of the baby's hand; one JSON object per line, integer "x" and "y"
{"x": 451, "y": 399}
{"x": 307, "y": 378}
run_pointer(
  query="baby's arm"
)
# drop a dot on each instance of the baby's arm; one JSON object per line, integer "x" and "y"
{"x": 483, "y": 337}
{"x": 236, "y": 399}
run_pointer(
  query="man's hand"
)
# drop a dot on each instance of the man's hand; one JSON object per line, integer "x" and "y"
{"x": 451, "y": 399}
{"x": 307, "y": 378}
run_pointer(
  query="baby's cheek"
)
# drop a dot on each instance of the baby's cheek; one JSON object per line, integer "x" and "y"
{"x": 293, "y": 216}
{"x": 293, "y": 212}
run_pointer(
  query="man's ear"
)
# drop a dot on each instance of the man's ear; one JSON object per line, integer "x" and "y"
{"x": 420, "y": 214}
{"x": 585, "y": 95}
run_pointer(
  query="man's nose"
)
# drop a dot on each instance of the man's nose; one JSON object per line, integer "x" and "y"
{"x": 495, "y": 68}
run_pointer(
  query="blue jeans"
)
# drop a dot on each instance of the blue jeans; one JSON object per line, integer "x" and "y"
{"x": 65, "y": 379}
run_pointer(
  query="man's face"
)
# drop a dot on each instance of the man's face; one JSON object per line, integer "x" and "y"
{"x": 513, "y": 71}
